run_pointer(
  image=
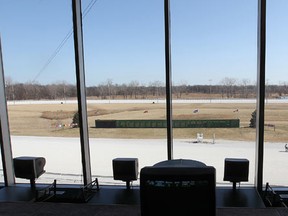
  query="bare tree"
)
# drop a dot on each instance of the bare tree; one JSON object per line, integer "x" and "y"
{"x": 245, "y": 83}
{"x": 156, "y": 88}
{"x": 110, "y": 88}
{"x": 20, "y": 92}
{"x": 228, "y": 85}
{"x": 103, "y": 91}
{"x": 107, "y": 90}
{"x": 133, "y": 86}
{"x": 122, "y": 90}
{"x": 32, "y": 91}
{"x": 9, "y": 88}
{"x": 180, "y": 89}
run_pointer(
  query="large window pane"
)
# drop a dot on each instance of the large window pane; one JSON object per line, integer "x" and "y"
{"x": 214, "y": 74}
{"x": 275, "y": 158}
{"x": 124, "y": 51}
{"x": 40, "y": 85}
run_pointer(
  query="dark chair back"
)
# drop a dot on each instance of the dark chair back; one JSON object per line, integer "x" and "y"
{"x": 178, "y": 191}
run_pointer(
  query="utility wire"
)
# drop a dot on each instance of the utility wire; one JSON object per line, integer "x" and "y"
{"x": 63, "y": 42}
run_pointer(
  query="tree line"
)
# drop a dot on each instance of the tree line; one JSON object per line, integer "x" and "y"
{"x": 228, "y": 88}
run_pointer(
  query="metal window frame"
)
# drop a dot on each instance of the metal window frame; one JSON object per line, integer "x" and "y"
{"x": 167, "y": 24}
{"x": 260, "y": 102}
{"x": 81, "y": 92}
{"x": 5, "y": 139}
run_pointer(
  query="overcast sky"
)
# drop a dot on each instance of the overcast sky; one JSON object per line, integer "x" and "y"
{"x": 124, "y": 41}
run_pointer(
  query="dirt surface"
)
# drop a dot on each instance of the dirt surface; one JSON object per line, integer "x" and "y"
{"x": 55, "y": 120}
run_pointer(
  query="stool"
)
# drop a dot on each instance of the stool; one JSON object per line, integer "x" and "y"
{"x": 236, "y": 170}
{"x": 125, "y": 169}
{"x": 29, "y": 168}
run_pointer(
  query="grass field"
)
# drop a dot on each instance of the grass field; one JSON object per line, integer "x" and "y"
{"x": 45, "y": 120}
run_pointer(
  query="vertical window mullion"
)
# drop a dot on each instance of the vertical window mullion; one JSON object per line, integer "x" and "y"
{"x": 261, "y": 49}
{"x": 5, "y": 142}
{"x": 168, "y": 79}
{"x": 82, "y": 106}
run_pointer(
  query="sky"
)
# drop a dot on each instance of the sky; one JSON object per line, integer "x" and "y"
{"x": 124, "y": 41}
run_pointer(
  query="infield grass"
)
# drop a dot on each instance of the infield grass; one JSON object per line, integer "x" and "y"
{"x": 45, "y": 120}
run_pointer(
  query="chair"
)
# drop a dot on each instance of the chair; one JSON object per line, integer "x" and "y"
{"x": 178, "y": 191}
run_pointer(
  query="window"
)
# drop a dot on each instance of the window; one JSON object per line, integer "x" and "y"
{"x": 275, "y": 158}
{"x": 214, "y": 58}
{"x": 40, "y": 82}
{"x": 125, "y": 78}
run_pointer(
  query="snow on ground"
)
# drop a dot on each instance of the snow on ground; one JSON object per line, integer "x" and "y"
{"x": 145, "y": 101}
{"x": 63, "y": 159}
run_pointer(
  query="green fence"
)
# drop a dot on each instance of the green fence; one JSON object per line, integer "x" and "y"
{"x": 215, "y": 123}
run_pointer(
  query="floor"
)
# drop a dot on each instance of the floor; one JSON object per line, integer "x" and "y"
{"x": 117, "y": 200}
{"x": 225, "y": 196}
{"x": 64, "y": 209}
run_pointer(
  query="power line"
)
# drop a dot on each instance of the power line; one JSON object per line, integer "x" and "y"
{"x": 63, "y": 42}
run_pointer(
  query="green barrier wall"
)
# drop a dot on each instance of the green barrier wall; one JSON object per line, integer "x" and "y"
{"x": 215, "y": 123}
